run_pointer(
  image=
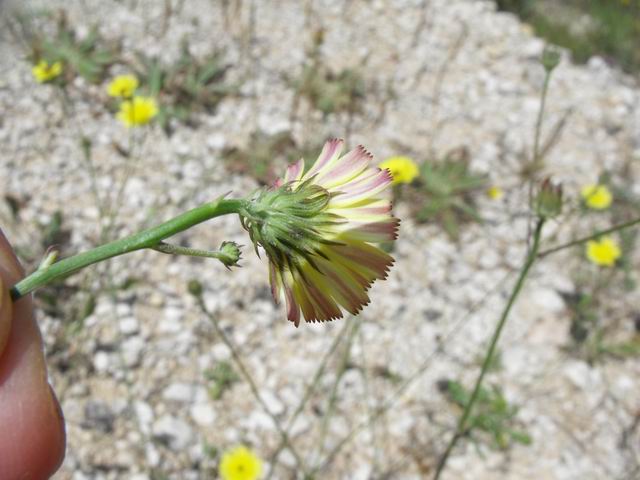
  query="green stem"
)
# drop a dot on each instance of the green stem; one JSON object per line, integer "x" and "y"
{"x": 460, "y": 430}
{"x": 543, "y": 101}
{"x": 148, "y": 238}
{"x": 170, "y": 249}
{"x": 582, "y": 240}
{"x": 535, "y": 164}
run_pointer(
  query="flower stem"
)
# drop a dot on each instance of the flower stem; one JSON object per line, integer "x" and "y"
{"x": 148, "y": 238}
{"x": 537, "y": 161}
{"x": 460, "y": 430}
{"x": 580, "y": 241}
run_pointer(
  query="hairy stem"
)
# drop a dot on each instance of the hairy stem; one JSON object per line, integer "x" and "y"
{"x": 148, "y": 238}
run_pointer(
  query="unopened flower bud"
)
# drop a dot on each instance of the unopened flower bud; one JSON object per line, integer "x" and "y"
{"x": 550, "y": 58}
{"x": 548, "y": 201}
{"x": 195, "y": 288}
{"x": 230, "y": 254}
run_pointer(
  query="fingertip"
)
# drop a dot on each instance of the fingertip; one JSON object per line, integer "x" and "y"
{"x": 32, "y": 442}
{"x": 8, "y": 259}
{"x": 32, "y": 438}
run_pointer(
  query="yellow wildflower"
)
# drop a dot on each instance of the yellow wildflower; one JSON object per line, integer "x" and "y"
{"x": 597, "y": 197}
{"x": 45, "y": 71}
{"x": 240, "y": 463}
{"x": 137, "y": 111}
{"x": 123, "y": 86}
{"x": 603, "y": 252}
{"x": 403, "y": 169}
{"x": 495, "y": 193}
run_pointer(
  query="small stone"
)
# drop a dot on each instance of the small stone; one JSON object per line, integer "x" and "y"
{"x": 123, "y": 309}
{"x": 173, "y": 432}
{"x": 98, "y": 416}
{"x": 144, "y": 413}
{"x": 101, "y": 361}
{"x": 139, "y": 476}
{"x": 216, "y": 141}
{"x": 547, "y": 299}
{"x": 273, "y": 403}
{"x": 178, "y": 392}
{"x": 203, "y": 414}
{"x": 171, "y": 323}
{"x": 129, "y": 325}
{"x": 132, "y": 351}
{"x": 220, "y": 352}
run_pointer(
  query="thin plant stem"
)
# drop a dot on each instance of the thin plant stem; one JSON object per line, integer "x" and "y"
{"x": 249, "y": 379}
{"x": 333, "y": 395}
{"x": 91, "y": 169}
{"x": 392, "y": 399}
{"x": 132, "y": 147}
{"x": 535, "y": 157}
{"x": 583, "y": 240}
{"x": 461, "y": 428}
{"x": 370, "y": 408}
{"x": 307, "y": 395}
{"x": 148, "y": 238}
{"x": 538, "y": 133}
{"x": 170, "y": 249}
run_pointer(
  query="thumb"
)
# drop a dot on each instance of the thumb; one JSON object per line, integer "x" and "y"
{"x": 32, "y": 437}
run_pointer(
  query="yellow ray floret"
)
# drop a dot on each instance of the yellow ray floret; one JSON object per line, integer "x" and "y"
{"x": 137, "y": 111}
{"x": 403, "y": 169}
{"x": 240, "y": 463}
{"x": 44, "y": 71}
{"x": 123, "y": 86}
{"x": 603, "y": 252}
{"x": 598, "y": 197}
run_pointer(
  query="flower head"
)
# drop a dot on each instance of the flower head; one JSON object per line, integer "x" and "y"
{"x": 495, "y": 193}
{"x": 44, "y": 71}
{"x": 317, "y": 228}
{"x": 123, "y": 86}
{"x": 240, "y": 463}
{"x": 597, "y": 197}
{"x": 403, "y": 169}
{"x": 603, "y": 252}
{"x": 548, "y": 201}
{"x": 137, "y": 111}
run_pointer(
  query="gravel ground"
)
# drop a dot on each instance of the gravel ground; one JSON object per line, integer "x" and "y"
{"x": 132, "y": 379}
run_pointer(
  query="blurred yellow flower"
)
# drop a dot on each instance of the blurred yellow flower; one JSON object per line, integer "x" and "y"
{"x": 123, "y": 86}
{"x": 137, "y": 111}
{"x": 45, "y": 71}
{"x": 603, "y": 252}
{"x": 240, "y": 463}
{"x": 597, "y": 197}
{"x": 403, "y": 169}
{"x": 495, "y": 193}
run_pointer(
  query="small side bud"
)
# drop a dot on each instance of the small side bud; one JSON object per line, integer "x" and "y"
{"x": 230, "y": 254}
{"x": 548, "y": 201}
{"x": 50, "y": 257}
{"x": 550, "y": 58}
{"x": 195, "y": 288}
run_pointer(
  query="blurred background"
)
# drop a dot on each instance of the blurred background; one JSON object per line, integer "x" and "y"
{"x": 156, "y": 384}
